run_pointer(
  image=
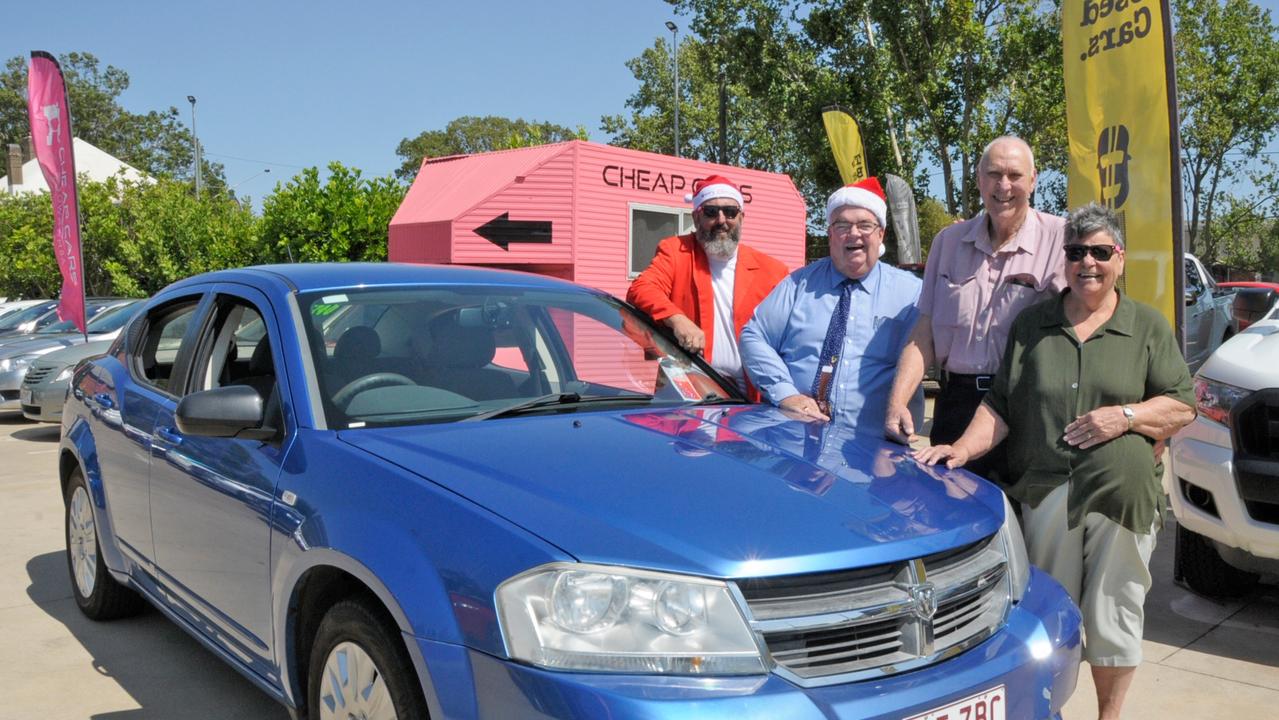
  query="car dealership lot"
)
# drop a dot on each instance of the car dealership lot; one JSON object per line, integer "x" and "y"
{"x": 1204, "y": 658}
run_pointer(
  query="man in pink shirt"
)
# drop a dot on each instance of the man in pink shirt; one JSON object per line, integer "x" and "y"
{"x": 980, "y": 274}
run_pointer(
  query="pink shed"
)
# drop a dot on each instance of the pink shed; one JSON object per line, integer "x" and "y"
{"x": 577, "y": 210}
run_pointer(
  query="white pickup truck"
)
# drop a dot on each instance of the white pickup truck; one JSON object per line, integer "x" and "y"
{"x": 1209, "y": 320}
{"x": 1224, "y": 479}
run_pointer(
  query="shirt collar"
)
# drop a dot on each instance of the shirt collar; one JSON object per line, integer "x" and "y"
{"x": 1021, "y": 241}
{"x": 864, "y": 283}
{"x": 1121, "y": 321}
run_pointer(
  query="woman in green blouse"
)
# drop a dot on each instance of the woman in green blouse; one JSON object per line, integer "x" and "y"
{"x": 1090, "y": 381}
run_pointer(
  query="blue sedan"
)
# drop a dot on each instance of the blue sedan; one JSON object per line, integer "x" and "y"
{"x": 394, "y": 491}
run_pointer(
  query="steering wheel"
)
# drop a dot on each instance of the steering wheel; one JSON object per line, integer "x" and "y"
{"x": 368, "y": 382}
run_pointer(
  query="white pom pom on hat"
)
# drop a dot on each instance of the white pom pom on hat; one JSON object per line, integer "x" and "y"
{"x": 711, "y": 188}
{"x": 866, "y": 194}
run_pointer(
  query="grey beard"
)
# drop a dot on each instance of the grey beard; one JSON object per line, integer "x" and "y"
{"x": 721, "y": 246}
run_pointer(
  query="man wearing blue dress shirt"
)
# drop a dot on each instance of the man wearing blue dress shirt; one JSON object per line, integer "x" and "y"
{"x": 824, "y": 344}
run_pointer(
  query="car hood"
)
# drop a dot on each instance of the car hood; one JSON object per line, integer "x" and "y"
{"x": 40, "y": 344}
{"x": 74, "y": 354}
{"x": 737, "y": 492}
{"x": 1247, "y": 360}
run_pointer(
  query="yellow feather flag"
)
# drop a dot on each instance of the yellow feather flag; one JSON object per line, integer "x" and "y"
{"x": 1121, "y": 117}
{"x": 846, "y": 143}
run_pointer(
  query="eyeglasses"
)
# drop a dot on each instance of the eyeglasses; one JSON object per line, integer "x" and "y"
{"x": 1100, "y": 253}
{"x": 710, "y": 212}
{"x": 864, "y": 227}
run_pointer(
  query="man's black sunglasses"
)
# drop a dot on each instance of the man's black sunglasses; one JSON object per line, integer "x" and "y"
{"x": 1100, "y": 253}
{"x": 710, "y": 213}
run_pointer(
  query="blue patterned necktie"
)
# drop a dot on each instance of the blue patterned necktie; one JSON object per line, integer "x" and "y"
{"x": 829, "y": 359}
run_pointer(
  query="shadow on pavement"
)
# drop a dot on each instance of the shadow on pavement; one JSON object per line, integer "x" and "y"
{"x": 43, "y": 432}
{"x": 168, "y": 673}
{"x": 1245, "y": 628}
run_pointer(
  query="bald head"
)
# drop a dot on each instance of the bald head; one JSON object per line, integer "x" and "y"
{"x": 1010, "y": 140}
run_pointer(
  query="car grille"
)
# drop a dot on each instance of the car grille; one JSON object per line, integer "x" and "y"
{"x": 838, "y": 627}
{"x": 38, "y": 373}
{"x": 1255, "y": 424}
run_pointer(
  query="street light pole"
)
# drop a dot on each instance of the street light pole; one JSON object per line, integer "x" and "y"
{"x": 675, "y": 61}
{"x": 195, "y": 148}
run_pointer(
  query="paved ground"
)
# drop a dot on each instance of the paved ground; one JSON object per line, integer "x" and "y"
{"x": 1204, "y": 659}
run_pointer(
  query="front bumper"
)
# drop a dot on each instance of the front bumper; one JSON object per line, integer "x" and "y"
{"x": 46, "y": 401}
{"x": 10, "y": 382}
{"x": 1035, "y": 656}
{"x": 1202, "y": 455}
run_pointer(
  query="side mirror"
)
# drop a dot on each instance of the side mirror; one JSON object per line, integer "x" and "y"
{"x": 232, "y": 411}
{"x": 1192, "y": 295}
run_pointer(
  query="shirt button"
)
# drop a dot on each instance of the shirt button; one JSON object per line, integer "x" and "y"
{"x": 979, "y": 337}
{"x": 1074, "y": 386}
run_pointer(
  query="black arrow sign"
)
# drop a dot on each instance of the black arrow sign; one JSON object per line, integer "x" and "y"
{"x": 502, "y": 231}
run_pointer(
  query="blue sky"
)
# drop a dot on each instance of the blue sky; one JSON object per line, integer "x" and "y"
{"x": 287, "y": 84}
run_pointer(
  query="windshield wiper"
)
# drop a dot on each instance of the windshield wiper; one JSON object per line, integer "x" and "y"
{"x": 714, "y": 399}
{"x": 556, "y": 399}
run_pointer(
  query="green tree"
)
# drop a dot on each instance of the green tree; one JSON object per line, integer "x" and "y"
{"x": 471, "y": 134}
{"x": 343, "y": 218}
{"x": 957, "y": 74}
{"x": 155, "y": 142}
{"x": 159, "y": 233}
{"x": 135, "y": 238}
{"x": 1227, "y": 58}
{"x": 941, "y": 77}
{"x": 768, "y": 74}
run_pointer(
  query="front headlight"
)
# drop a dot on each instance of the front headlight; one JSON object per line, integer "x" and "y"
{"x": 1214, "y": 400}
{"x": 1015, "y": 552}
{"x": 567, "y": 616}
{"x": 65, "y": 373}
{"x": 15, "y": 363}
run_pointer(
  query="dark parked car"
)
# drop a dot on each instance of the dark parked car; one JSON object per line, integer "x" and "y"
{"x": 384, "y": 491}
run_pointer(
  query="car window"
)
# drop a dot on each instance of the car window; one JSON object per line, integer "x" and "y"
{"x": 234, "y": 349}
{"x": 162, "y": 334}
{"x": 35, "y": 312}
{"x": 1193, "y": 283}
{"x": 445, "y": 354}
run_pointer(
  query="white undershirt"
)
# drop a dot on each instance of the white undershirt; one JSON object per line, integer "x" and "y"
{"x": 725, "y": 358}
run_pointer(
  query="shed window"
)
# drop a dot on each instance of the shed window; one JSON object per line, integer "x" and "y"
{"x": 650, "y": 224}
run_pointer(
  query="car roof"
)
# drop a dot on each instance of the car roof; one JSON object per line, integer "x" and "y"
{"x": 311, "y": 277}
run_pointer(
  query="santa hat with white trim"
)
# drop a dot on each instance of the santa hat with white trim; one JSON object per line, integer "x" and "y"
{"x": 711, "y": 188}
{"x": 866, "y": 194}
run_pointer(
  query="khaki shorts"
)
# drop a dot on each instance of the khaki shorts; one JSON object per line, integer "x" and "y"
{"x": 1106, "y": 569}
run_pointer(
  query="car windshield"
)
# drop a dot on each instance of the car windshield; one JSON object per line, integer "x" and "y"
{"x": 115, "y": 318}
{"x": 11, "y": 322}
{"x": 93, "y": 312}
{"x": 445, "y": 354}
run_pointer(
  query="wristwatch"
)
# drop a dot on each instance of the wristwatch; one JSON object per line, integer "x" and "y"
{"x": 1128, "y": 413}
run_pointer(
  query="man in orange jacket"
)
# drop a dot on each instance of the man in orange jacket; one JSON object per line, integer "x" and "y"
{"x": 705, "y": 285}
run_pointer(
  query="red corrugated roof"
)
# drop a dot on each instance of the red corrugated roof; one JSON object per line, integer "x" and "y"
{"x": 448, "y": 187}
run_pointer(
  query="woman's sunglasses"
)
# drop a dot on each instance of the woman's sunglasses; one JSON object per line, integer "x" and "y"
{"x": 1100, "y": 253}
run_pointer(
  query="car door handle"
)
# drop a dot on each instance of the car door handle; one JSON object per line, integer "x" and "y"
{"x": 104, "y": 401}
{"x": 170, "y": 436}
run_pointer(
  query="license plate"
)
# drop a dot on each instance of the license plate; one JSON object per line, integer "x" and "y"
{"x": 24, "y": 396}
{"x": 988, "y": 705}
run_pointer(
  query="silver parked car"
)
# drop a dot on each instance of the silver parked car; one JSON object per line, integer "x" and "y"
{"x": 45, "y": 387}
{"x": 17, "y": 354}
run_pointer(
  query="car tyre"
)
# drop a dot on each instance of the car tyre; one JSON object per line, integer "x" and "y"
{"x": 360, "y": 668}
{"x": 1200, "y": 565}
{"x": 97, "y": 594}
